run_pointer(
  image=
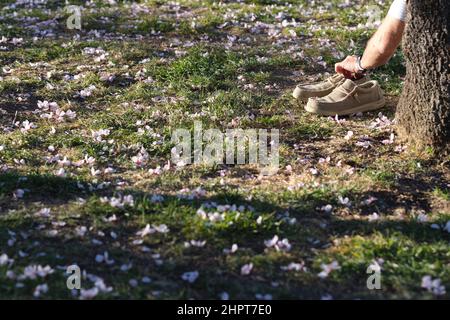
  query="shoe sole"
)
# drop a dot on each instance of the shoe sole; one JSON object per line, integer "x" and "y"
{"x": 364, "y": 108}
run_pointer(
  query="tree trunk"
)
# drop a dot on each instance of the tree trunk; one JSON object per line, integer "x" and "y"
{"x": 423, "y": 112}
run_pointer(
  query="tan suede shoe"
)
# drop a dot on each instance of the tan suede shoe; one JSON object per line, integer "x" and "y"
{"x": 348, "y": 98}
{"x": 321, "y": 89}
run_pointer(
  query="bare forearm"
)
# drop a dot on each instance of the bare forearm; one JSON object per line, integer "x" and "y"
{"x": 383, "y": 44}
{"x": 374, "y": 56}
{"x": 379, "y": 50}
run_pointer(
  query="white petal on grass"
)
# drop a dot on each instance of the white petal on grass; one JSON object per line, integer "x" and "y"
{"x": 162, "y": 228}
{"x": 44, "y": 212}
{"x": 259, "y": 220}
{"x": 61, "y": 172}
{"x": 447, "y": 227}
{"x": 344, "y": 201}
{"x": 374, "y": 217}
{"x": 146, "y": 280}
{"x": 197, "y": 243}
{"x": 146, "y": 231}
{"x": 19, "y": 193}
{"x": 133, "y": 282}
{"x": 86, "y": 294}
{"x": 369, "y": 200}
{"x": 126, "y": 267}
{"x": 141, "y": 159}
{"x": 40, "y": 289}
{"x": 327, "y": 208}
{"x": 328, "y": 268}
{"x": 119, "y": 202}
{"x": 272, "y": 242}
{"x": 422, "y": 217}
{"x": 100, "y": 258}
{"x": 233, "y": 249}
{"x": 246, "y": 269}
{"x": 190, "y": 277}
{"x": 433, "y": 285}
{"x": 34, "y": 271}
{"x": 224, "y": 296}
{"x": 266, "y": 296}
{"x": 81, "y": 231}
{"x": 279, "y": 245}
{"x": 4, "y": 260}
{"x": 349, "y": 135}
{"x": 294, "y": 267}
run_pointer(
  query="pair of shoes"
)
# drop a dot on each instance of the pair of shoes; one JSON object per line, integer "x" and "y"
{"x": 340, "y": 96}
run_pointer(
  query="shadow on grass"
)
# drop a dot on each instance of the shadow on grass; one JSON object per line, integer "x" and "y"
{"x": 10, "y": 89}
{"x": 219, "y": 272}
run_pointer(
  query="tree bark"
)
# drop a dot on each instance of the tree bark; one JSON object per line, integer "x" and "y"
{"x": 423, "y": 112}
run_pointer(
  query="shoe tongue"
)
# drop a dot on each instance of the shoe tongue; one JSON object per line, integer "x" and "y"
{"x": 348, "y": 85}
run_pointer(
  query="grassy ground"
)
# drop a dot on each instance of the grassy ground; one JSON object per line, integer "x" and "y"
{"x": 138, "y": 70}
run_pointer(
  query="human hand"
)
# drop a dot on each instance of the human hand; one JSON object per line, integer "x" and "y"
{"x": 348, "y": 67}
